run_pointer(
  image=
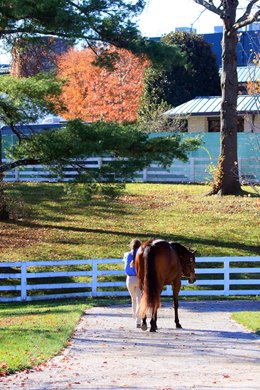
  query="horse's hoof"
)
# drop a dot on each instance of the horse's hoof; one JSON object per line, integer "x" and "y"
{"x": 153, "y": 330}
{"x": 144, "y": 326}
{"x": 178, "y": 326}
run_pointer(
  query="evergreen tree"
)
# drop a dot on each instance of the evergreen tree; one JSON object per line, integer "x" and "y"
{"x": 110, "y": 21}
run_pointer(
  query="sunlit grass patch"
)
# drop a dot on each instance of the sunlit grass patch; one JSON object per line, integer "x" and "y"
{"x": 59, "y": 227}
{"x": 251, "y": 320}
{"x": 31, "y": 333}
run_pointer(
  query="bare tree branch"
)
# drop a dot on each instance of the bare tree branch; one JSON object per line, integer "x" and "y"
{"x": 245, "y": 21}
{"x": 247, "y": 11}
{"x": 19, "y": 163}
{"x": 209, "y": 5}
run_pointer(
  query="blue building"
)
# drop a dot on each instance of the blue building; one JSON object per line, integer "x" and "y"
{"x": 247, "y": 47}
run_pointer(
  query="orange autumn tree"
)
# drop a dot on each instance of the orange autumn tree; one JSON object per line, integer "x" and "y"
{"x": 253, "y": 87}
{"x": 93, "y": 93}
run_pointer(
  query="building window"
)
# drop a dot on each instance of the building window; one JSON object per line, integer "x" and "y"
{"x": 214, "y": 125}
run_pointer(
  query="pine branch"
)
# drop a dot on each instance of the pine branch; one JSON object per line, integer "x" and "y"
{"x": 18, "y": 163}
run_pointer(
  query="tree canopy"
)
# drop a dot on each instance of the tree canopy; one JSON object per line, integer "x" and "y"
{"x": 25, "y": 100}
{"x": 94, "y": 93}
{"x": 110, "y": 21}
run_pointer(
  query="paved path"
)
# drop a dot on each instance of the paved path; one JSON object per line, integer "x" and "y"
{"x": 108, "y": 352}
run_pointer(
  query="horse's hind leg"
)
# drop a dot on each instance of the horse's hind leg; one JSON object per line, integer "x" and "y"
{"x": 153, "y": 323}
{"x": 176, "y": 289}
{"x": 155, "y": 317}
{"x": 144, "y": 324}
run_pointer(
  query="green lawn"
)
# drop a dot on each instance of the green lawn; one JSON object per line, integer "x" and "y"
{"x": 251, "y": 320}
{"x": 53, "y": 226}
{"x": 31, "y": 333}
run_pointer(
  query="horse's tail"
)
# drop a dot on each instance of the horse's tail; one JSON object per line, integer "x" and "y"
{"x": 151, "y": 289}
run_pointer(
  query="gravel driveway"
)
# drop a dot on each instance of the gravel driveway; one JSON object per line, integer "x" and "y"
{"x": 108, "y": 352}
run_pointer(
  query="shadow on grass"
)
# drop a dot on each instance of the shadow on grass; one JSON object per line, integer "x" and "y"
{"x": 190, "y": 241}
{"x": 56, "y": 213}
{"x": 66, "y": 306}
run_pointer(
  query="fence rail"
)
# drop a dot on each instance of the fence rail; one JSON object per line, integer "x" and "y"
{"x": 40, "y": 280}
{"x": 195, "y": 170}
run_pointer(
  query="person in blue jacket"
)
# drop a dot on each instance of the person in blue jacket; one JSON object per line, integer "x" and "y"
{"x": 131, "y": 279}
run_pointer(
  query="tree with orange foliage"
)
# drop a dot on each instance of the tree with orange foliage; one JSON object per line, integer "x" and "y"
{"x": 253, "y": 87}
{"x": 94, "y": 93}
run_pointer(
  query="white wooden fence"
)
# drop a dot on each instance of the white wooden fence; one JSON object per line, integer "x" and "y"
{"x": 194, "y": 171}
{"x": 95, "y": 278}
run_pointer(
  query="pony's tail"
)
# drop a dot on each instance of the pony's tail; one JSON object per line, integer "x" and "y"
{"x": 151, "y": 289}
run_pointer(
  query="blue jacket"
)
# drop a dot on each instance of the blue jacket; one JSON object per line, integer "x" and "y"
{"x": 128, "y": 258}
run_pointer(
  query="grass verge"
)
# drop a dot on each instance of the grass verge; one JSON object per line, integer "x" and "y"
{"x": 250, "y": 320}
{"x": 31, "y": 333}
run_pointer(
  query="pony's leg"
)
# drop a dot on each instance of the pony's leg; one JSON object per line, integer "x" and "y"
{"x": 144, "y": 324}
{"x": 176, "y": 289}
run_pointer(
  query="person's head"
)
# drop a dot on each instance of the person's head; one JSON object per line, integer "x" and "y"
{"x": 134, "y": 244}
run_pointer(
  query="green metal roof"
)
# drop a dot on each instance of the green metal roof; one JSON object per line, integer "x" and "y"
{"x": 210, "y": 106}
{"x": 248, "y": 73}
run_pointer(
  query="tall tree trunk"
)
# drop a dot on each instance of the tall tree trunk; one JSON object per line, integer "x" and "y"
{"x": 227, "y": 178}
{"x": 4, "y": 214}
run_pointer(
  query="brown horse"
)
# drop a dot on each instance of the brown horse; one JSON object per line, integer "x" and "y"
{"x": 159, "y": 263}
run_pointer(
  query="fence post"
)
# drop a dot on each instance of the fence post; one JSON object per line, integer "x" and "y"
{"x": 144, "y": 174}
{"x": 17, "y": 174}
{"x": 192, "y": 170}
{"x": 24, "y": 281}
{"x": 226, "y": 277}
{"x": 94, "y": 278}
{"x": 99, "y": 161}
